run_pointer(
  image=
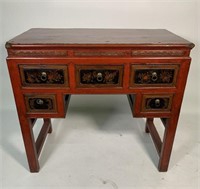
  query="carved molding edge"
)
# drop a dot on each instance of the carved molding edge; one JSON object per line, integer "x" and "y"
{"x": 172, "y": 53}
{"x": 102, "y": 53}
{"x": 39, "y": 53}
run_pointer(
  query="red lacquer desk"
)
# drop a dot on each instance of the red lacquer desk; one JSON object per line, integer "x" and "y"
{"x": 46, "y": 66}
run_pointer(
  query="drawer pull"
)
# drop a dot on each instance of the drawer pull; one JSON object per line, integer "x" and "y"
{"x": 99, "y": 77}
{"x": 43, "y": 76}
{"x": 154, "y": 76}
{"x": 157, "y": 103}
{"x": 40, "y": 101}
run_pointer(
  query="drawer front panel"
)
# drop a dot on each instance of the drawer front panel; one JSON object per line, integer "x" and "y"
{"x": 156, "y": 103}
{"x": 153, "y": 75}
{"x": 44, "y": 75}
{"x": 99, "y": 76}
{"x": 40, "y": 103}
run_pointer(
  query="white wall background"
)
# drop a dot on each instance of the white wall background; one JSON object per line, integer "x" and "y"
{"x": 179, "y": 16}
{"x": 1, "y": 55}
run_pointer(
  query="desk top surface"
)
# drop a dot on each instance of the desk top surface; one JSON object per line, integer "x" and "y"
{"x": 50, "y": 36}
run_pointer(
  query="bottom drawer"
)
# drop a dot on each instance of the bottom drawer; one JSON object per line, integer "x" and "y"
{"x": 46, "y": 105}
{"x": 156, "y": 103}
{"x": 41, "y": 103}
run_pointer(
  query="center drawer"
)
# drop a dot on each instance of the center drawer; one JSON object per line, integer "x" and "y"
{"x": 89, "y": 76}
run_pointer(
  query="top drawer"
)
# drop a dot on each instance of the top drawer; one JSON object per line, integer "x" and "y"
{"x": 44, "y": 75}
{"x": 154, "y": 75}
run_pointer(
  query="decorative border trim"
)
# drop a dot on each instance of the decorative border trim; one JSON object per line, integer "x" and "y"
{"x": 161, "y": 53}
{"x": 38, "y": 53}
{"x": 99, "y": 53}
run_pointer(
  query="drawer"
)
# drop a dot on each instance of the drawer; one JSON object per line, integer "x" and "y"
{"x": 99, "y": 76}
{"x": 44, "y": 75}
{"x": 155, "y": 75}
{"x": 41, "y": 103}
{"x": 156, "y": 103}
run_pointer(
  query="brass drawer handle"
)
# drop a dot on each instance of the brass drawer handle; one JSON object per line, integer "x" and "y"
{"x": 154, "y": 76}
{"x": 40, "y": 101}
{"x": 43, "y": 76}
{"x": 99, "y": 77}
{"x": 157, "y": 102}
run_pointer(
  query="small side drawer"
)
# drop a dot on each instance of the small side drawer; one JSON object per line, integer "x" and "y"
{"x": 44, "y": 75}
{"x": 88, "y": 76}
{"x": 153, "y": 75}
{"x": 155, "y": 103}
{"x": 40, "y": 103}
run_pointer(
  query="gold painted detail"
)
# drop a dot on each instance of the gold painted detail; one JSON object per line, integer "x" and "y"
{"x": 154, "y": 76}
{"x": 50, "y": 76}
{"x": 172, "y": 53}
{"x": 102, "y": 53}
{"x": 166, "y": 76}
{"x": 144, "y": 77}
{"x": 96, "y": 77}
{"x": 38, "y": 53}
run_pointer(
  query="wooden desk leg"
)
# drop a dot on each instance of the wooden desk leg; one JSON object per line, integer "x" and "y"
{"x": 50, "y": 126}
{"x": 163, "y": 147}
{"x": 29, "y": 143}
{"x": 168, "y": 139}
{"x": 146, "y": 126}
{"x": 33, "y": 147}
